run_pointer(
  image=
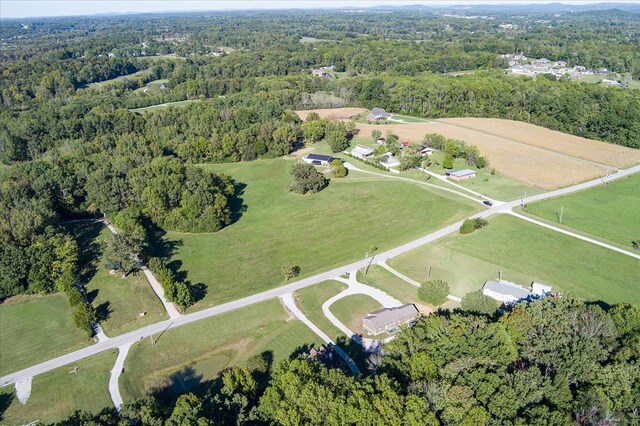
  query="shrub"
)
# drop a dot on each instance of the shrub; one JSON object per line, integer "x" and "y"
{"x": 470, "y": 225}
{"x": 75, "y": 297}
{"x": 447, "y": 163}
{"x": 84, "y": 317}
{"x": 477, "y": 302}
{"x": 306, "y": 179}
{"x": 434, "y": 292}
{"x": 338, "y": 169}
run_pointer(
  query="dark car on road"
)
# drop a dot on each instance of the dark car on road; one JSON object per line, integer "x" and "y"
{"x": 487, "y": 203}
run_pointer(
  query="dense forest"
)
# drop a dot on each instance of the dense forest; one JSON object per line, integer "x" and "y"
{"x": 552, "y": 362}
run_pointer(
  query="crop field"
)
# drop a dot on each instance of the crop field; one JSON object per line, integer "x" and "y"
{"x": 350, "y": 310}
{"x": 57, "y": 394}
{"x": 525, "y": 163}
{"x": 189, "y": 357}
{"x": 278, "y": 228}
{"x": 35, "y": 329}
{"x": 118, "y": 302}
{"x": 525, "y": 252}
{"x": 551, "y": 140}
{"x": 611, "y": 212}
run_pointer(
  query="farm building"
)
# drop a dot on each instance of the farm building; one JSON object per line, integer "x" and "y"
{"x": 510, "y": 293}
{"x": 505, "y": 291}
{"x": 425, "y": 150}
{"x": 460, "y": 174}
{"x": 318, "y": 159}
{"x": 386, "y": 319}
{"x": 389, "y": 160}
{"x": 378, "y": 114}
{"x": 362, "y": 151}
{"x": 319, "y": 73}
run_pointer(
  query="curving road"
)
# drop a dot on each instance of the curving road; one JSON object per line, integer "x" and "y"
{"x": 141, "y": 333}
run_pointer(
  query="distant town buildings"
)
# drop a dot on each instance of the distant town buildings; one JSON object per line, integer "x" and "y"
{"x": 520, "y": 64}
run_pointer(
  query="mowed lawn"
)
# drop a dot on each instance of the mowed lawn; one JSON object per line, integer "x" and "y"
{"x": 188, "y": 357}
{"x": 316, "y": 232}
{"x": 310, "y": 300}
{"x": 57, "y": 394}
{"x": 525, "y": 252}
{"x": 350, "y": 310}
{"x": 120, "y": 301}
{"x": 611, "y": 212}
{"x": 34, "y": 329}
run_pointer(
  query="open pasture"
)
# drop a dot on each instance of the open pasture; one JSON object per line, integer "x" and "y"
{"x": 332, "y": 113}
{"x": 525, "y": 252}
{"x": 315, "y": 231}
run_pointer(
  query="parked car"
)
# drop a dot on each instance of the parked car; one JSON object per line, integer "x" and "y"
{"x": 487, "y": 203}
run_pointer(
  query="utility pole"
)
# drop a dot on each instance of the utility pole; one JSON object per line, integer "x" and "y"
{"x": 561, "y": 212}
{"x": 429, "y": 272}
{"x": 500, "y": 275}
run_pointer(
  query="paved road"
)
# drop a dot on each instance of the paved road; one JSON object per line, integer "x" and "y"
{"x": 290, "y": 303}
{"x": 141, "y": 333}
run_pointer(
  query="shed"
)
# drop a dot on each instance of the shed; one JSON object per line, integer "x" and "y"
{"x": 362, "y": 151}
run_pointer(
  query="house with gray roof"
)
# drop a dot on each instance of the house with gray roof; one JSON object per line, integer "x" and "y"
{"x": 362, "y": 151}
{"x": 460, "y": 174}
{"x": 378, "y": 114}
{"x": 510, "y": 293}
{"x": 386, "y": 319}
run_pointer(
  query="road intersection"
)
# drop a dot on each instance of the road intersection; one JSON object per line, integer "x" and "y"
{"x": 139, "y": 334}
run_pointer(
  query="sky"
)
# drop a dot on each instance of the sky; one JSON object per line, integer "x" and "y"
{"x": 32, "y": 8}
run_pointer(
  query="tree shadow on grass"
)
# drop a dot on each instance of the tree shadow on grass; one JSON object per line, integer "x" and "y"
{"x": 158, "y": 244}
{"x": 180, "y": 382}
{"x": 301, "y": 350}
{"x": 5, "y": 401}
{"x": 355, "y": 352}
{"x": 198, "y": 291}
{"x": 236, "y": 203}
{"x": 103, "y": 311}
{"x": 89, "y": 248}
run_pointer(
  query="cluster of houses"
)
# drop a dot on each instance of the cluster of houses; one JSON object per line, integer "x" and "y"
{"x": 510, "y": 293}
{"x": 520, "y": 64}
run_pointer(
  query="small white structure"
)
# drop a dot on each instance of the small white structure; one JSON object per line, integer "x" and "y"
{"x": 540, "y": 289}
{"x": 460, "y": 174}
{"x": 319, "y": 72}
{"x": 505, "y": 291}
{"x": 425, "y": 150}
{"x": 362, "y": 151}
{"x": 378, "y": 114}
{"x": 381, "y": 141}
{"x": 318, "y": 159}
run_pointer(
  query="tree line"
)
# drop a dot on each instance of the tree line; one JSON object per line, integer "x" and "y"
{"x": 555, "y": 361}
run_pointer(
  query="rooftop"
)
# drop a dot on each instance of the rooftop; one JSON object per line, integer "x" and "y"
{"x": 379, "y": 112}
{"x": 460, "y": 173}
{"x": 363, "y": 150}
{"x": 507, "y": 288}
{"x": 386, "y": 316}
{"x": 320, "y": 157}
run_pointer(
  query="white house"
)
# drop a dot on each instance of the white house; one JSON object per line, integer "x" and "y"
{"x": 318, "y": 159}
{"x": 505, "y": 291}
{"x": 425, "y": 150}
{"x": 460, "y": 174}
{"x": 388, "y": 160}
{"x": 540, "y": 289}
{"x": 362, "y": 151}
{"x": 378, "y": 114}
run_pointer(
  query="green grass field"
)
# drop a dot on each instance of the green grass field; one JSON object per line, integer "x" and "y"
{"x": 408, "y": 119}
{"x": 380, "y": 278}
{"x": 34, "y": 329}
{"x": 525, "y": 252}
{"x": 188, "y": 357}
{"x": 316, "y": 232}
{"x": 121, "y": 301}
{"x": 177, "y": 104}
{"x": 106, "y": 83}
{"x": 57, "y": 394}
{"x": 611, "y": 212}
{"x": 350, "y": 310}
{"x": 494, "y": 186}
{"x": 310, "y": 300}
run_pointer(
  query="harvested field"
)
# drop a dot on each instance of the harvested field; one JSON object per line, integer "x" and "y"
{"x": 575, "y": 146}
{"x": 525, "y": 163}
{"x": 332, "y": 113}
